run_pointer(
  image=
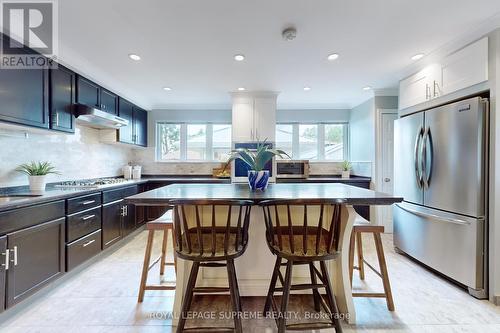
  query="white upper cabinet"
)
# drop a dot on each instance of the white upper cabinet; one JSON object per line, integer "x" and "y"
{"x": 419, "y": 87}
{"x": 254, "y": 117}
{"x": 466, "y": 67}
{"x": 461, "y": 69}
{"x": 265, "y": 119}
{"x": 242, "y": 120}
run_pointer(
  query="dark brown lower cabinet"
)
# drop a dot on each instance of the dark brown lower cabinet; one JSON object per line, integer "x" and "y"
{"x": 128, "y": 221}
{"x": 112, "y": 222}
{"x": 4, "y": 258}
{"x": 37, "y": 257}
{"x": 83, "y": 249}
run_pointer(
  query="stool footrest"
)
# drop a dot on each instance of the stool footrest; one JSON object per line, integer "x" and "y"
{"x": 304, "y": 286}
{"x": 159, "y": 287}
{"x": 209, "y": 329}
{"x": 212, "y": 264}
{"x": 208, "y": 290}
{"x": 381, "y": 295}
{"x": 308, "y": 326}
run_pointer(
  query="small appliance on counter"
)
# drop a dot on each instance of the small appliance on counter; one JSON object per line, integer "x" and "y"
{"x": 136, "y": 172}
{"x": 292, "y": 169}
{"x": 127, "y": 172}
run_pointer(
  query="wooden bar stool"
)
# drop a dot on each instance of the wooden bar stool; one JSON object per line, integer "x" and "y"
{"x": 363, "y": 226}
{"x": 165, "y": 224}
{"x": 211, "y": 233}
{"x": 303, "y": 232}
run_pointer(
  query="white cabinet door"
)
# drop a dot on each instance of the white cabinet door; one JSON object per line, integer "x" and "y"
{"x": 243, "y": 121}
{"x": 420, "y": 87}
{"x": 265, "y": 119}
{"x": 413, "y": 90}
{"x": 466, "y": 67}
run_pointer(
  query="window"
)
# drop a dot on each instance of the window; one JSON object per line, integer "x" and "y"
{"x": 313, "y": 141}
{"x": 193, "y": 142}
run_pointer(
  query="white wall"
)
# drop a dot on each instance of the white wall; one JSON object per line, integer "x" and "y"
{"x": 77, "y": 156}
{"x": 362, "y": 132}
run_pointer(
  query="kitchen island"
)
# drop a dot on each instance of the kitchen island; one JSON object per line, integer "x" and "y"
{"x": 254, "y": 268}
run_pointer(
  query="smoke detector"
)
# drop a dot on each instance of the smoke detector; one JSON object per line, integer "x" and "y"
{"x": 289, "y": 34}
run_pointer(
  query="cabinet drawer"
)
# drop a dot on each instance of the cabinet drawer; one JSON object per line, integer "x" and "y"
{"x": 83, "y": 203}
{"x": 83, "y": 223}
{"x": 21, "y": 218}
{"x": 119, "y": 193}
{"x": 82, "y": 249}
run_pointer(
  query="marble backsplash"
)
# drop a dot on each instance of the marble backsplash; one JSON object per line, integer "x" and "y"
{"x": 75, "y": 156}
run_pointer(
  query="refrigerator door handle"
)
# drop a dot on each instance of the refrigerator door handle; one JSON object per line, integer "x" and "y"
{"x": 433, "y": 216}
{"x": 418, "y": 173}
{"x": 427, "y": 138}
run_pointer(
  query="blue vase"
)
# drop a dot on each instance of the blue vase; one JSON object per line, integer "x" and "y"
{"x": 258, "y": 180}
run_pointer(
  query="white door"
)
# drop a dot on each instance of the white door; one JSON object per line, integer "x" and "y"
{"x": 387, "y": 166}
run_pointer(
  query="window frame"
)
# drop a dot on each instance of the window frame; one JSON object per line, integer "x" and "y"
{"x": 320, "y": 142}
{"x": 183, "y": 142}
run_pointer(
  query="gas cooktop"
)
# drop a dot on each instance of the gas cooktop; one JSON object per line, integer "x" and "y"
{"x": 91, "y": 183}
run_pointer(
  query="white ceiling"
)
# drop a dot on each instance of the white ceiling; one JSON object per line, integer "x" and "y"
{"x": 189, "y": 46}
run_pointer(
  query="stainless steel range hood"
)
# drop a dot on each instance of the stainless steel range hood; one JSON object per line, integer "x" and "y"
{"x": 95, "y": 118}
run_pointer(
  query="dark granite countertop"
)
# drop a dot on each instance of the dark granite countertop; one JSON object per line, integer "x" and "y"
{"x": 53, "y": 193}
{"x": 347, "y": 194}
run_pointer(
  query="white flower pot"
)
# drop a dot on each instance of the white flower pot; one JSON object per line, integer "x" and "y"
{"x": 346, "y": 174}
{"x": 37, "y": 183}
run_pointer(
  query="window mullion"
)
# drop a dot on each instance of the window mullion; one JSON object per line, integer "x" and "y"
{"x": 295, "y": 141}
{"x": 183, "y": 142}
{"x": 209, "y": 143}
{"x": 321, "y": 142}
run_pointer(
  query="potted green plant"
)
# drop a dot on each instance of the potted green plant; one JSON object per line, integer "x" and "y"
{"x": 346, "y": 169}
{"x": 256, "y": 161}
{"x": 37, "y": 174}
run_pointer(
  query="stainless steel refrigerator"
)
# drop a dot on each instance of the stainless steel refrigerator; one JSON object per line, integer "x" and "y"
{"x": 440, "y": 170}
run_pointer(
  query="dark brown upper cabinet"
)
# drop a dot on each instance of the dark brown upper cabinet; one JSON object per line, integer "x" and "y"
{"x": 140, "y": 127}
{"x": 61, "y": 99}
{"x": 23, "y": 96}
{"x": 91, "y": 94}
{"x": 109, "y": 101}
{"x": 137, "y": 130}
{"x": 126, "y": 111}
{"x": 87, "y": 92}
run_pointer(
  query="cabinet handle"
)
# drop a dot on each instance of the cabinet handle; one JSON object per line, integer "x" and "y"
{"x": 88, "y": 243}
{"x": 436, "y": 89}
{"x": 57, "y": 118}
{"x": 6, "y": 254}
{"x": 88, "y": 217}
{"x": 15, "y": 255}
{"x": 126, "y": 210}
{"x": 88, "y": 202}
{"x": 427, "y": 92}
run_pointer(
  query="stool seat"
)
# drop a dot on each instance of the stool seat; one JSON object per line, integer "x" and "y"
{"x": 163, "y": 222}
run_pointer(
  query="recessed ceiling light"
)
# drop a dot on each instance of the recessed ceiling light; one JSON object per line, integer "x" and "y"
{"x": 307, "y": 88}
{"x": 241, "y": 89}
{"x": 239, "y": 57}
{"x": 417, "y": 56}
{"x": 367, "y": 88}
{"x": 135, "y": 57}
{"x": 167, "y": 88}
{"x": 333, "y": 56}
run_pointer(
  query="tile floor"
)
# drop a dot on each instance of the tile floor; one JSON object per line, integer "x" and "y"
{"x": 103, "y": 298}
